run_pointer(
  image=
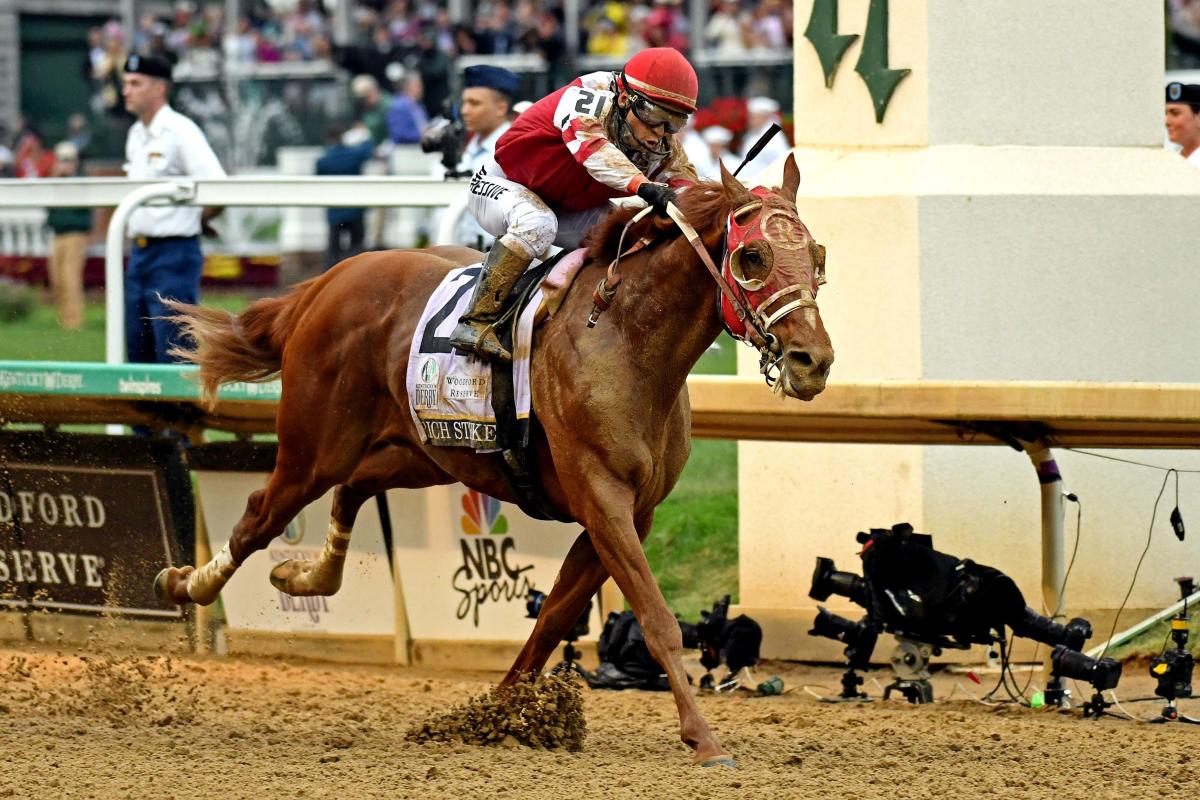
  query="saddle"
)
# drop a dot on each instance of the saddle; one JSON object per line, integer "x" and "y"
{"x": 461, "y": 401}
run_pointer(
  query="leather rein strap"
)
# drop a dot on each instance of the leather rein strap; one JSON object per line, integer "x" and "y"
{"x": 757, "y": 331}
{"x": 760, "y": 339}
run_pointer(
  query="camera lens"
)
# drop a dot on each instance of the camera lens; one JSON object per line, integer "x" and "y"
{"x": 1103, "y": 673}
{"x": 828, "y": 580}
{"x": 831, "y": 626}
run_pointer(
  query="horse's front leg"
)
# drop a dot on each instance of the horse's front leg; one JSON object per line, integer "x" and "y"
{"x": 580, "y": 577}
{"x": 609, "y": 517}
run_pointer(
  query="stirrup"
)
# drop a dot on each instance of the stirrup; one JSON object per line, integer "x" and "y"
{"x": 482, "y": 342}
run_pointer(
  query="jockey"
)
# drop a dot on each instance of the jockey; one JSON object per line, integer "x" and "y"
{"x": 604, "y": 135}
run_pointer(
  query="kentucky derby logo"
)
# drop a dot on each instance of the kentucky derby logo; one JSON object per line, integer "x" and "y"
{"x": 294, "y": 531}
{"x": 427, "y": 385}
{"x": 490, "y": 571}
{"x": 482, "y": 514}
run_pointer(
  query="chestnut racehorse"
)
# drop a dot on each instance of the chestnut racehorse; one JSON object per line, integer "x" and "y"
{"x": 612, "y": 400}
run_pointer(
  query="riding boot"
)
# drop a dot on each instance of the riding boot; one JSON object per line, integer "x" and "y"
{"x": 476, "y": 332}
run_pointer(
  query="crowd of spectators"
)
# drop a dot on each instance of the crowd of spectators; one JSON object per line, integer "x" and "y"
{"x": 394, "y": 30}
{"x": 1183, "y": 25}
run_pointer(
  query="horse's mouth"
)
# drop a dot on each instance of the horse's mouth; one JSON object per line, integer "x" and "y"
{"x": 806, "y": 390}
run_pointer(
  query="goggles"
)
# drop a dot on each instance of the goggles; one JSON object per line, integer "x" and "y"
{"x": 654, "y": 115}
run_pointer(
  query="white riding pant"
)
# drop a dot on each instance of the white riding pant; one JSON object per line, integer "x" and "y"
{"x": 520, "y": 219}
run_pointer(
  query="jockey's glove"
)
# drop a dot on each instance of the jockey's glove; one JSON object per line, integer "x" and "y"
{"x": 657, "y": 195}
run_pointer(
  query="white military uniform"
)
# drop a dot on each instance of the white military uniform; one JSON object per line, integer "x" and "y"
{"x": 170, "y": 146}
{"x": 478, "y": 152}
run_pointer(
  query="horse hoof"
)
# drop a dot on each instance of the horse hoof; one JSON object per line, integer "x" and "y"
{"x": 280, "y": 574}
{"x": 160, "y": 587}
{"x": 165, "y": 587}
{"x": 719, "y": 761}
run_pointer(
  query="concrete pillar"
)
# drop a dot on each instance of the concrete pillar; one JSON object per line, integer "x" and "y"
{"x": 1003, "y": 210}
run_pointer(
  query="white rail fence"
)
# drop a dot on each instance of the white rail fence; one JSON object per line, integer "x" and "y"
{"x": 23, "y": 232}
{"x": 30, "y": 198}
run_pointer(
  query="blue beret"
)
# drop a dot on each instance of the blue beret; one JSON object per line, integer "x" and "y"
{"x": 489, "y": 77}
{"x": 1183, "y": 93}
{"x": 154, "y": 66}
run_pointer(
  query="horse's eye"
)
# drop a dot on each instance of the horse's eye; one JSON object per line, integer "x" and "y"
{"x": 753, "y": 257}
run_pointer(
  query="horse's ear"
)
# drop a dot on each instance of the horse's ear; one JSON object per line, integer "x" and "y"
{"x": 734, "y": 189}
{"x": 791, "y": 178}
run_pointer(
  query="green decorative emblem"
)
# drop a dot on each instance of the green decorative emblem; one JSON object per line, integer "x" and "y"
{"x": 872, "y": 64}
{"x": 829, "y": 44}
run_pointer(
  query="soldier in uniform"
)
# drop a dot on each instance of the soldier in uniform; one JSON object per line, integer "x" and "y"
{"x": 487, "y": 99}
{"x": 165, "y": 259}
{"x": 1183, "y": 119}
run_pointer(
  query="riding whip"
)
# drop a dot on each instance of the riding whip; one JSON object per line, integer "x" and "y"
{"x": 767, "y": 136}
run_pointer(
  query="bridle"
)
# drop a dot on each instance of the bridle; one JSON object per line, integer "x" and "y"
{"x": 741, "y": 311}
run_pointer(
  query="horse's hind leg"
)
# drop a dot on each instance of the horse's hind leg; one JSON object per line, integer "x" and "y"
{"x": 386, "y": 468}
{"x": 317, "y": 450}
{"x": 289, "y": 489}
{"x": 580, "y": 577}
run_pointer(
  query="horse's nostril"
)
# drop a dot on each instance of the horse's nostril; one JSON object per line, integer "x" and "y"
{"x": 800, "y": 358}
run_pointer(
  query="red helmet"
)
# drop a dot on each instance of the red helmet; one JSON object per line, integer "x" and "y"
{"x": 665, "y": 76}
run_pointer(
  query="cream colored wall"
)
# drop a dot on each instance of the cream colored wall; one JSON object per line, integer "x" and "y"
{"x": 1042, "y": 72}
{"x": 1013, "y": 218}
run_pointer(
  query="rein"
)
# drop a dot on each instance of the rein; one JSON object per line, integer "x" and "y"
{"x": 757, "y": 329}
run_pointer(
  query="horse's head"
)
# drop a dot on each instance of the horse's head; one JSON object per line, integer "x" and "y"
{"x": 773, "y": 267}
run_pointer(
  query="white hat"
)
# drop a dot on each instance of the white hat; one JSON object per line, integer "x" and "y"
{"x": 762, "y": 105}
{"x": 362, "y": 85}
{"x": 715, "y": 134}
{"x": 522, "y": 107}
{"x": 66, "y": 151}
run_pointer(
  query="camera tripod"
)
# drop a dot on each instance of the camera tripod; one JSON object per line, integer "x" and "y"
{"x": 910, "y": 664}
{"x": 570, "y": 662}
{"x": 1173, "y": 668}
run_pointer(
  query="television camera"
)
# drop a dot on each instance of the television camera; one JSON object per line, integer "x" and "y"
{"x": 931, "y": 601}
{"x": 447, "y": 136}
{"x": 737, "y": 642}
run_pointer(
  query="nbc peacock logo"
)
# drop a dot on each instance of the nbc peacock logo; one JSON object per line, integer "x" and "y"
{"x": 482, "y": 514}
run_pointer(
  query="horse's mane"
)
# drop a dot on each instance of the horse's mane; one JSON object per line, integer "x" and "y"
{"x": 703, "y": 204}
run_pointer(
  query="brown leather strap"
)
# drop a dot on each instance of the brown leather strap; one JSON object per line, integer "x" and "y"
{"x": 744, "y": 314}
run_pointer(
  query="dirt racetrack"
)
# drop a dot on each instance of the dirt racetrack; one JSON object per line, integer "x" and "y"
{"x": 107, "y": 726}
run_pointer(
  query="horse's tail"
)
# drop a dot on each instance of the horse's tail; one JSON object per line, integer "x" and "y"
{"x": 241, "y": 347}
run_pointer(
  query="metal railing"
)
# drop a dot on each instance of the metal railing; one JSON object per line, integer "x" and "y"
{"x": 127, "y": 195}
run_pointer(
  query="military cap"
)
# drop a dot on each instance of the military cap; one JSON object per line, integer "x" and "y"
{"x": 489, "y": 77}
{"x": 1183, "y": 93}
{"x": 154, "y": 66}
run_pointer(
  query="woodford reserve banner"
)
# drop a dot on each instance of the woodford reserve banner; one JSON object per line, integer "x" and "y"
{"x": 86, "y": 522}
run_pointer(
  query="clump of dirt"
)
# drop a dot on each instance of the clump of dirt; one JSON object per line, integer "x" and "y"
{"x": 543, "y": 712}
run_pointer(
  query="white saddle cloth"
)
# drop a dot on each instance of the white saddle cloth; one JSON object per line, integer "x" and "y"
{"x": 450, "y": 394}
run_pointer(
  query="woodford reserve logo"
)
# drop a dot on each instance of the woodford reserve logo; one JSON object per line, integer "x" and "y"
{"x": 51, "y": 567}
{"x": 489, "y": 571}
{"x": 82, "y": 539}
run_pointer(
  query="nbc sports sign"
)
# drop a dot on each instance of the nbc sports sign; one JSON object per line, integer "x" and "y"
{"x": 467, "y": 561}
